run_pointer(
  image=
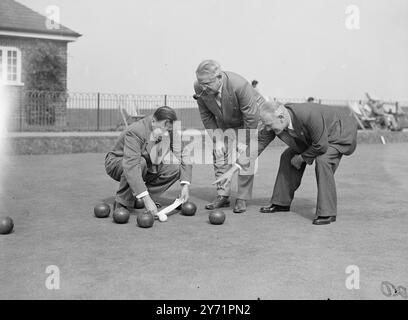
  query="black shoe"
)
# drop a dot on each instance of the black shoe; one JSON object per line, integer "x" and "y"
{"x": 219, "y": 202}
{"x": 274, "y": 208}
{"x": 240, "y": 206}
{"x": 324, "y": 220}
{"x": 117, "y": 205}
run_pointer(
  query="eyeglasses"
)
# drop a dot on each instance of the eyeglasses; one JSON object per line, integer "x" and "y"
{"x": 204, "y": 86}
{"x": 208, "y": 82}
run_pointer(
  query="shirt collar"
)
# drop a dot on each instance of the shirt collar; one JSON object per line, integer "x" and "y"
{"x": 290, "y": 126}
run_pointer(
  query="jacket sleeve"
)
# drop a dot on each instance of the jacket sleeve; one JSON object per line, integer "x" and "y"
{"x": 206, "y": 115}
{"x": 319, "y": 137}
{"x": 249, "y": 101}
{"x": 132, "y": 162}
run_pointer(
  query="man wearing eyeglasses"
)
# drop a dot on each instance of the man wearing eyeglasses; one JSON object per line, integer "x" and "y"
{"x": 314, "y": 133}
{"x": 227, "y": 101}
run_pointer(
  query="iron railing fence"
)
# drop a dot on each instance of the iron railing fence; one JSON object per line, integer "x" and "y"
{"x": 83, "y": 111}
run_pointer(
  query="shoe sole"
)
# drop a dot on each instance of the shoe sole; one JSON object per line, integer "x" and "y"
{"x": 274, "y": 211}
{"x": 321, "y": 223}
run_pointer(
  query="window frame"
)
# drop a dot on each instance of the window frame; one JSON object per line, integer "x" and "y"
{"x": 5, "y": 67}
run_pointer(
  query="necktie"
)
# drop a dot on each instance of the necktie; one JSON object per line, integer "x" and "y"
{"x": 154, "y": 150}
{"x": 218, "y": 98}
{"x": 292, "y": 133}
{"x": 159, "y": 149}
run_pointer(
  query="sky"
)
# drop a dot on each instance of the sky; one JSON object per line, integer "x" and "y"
{"x": 294, "y": 48}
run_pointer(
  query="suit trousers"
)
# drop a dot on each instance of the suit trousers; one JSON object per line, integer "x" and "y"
{"x": 289, "y": 178}
{"x": 245, "y": 181}
{"x": 158, "y": 178}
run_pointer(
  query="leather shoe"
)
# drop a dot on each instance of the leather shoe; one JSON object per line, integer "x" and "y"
{"x": 117, "y": 205}
{"x": 240, "y": 206}
{"x": 219, "y": 202}
{"x": 324, "y": 220}
{"x": 274, "y": 208}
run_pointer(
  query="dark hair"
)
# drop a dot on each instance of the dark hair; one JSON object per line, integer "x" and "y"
{"x": 310, "y": 99}
{"x": 254, "y": 83}
{"x": 165, "y": 113}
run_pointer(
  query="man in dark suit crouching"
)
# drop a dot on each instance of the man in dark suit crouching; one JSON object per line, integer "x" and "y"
{"x": 148, "y": 159}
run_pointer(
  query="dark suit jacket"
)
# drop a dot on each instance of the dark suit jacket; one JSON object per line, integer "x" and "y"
{"x": 239, "y": 104}
{"x": 135, "y": 143}
{"x": 317, "y": 127}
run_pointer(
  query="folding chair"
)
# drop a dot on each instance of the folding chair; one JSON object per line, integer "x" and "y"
{"x": 127, "y": 118}
{"x": 363, "y": 119}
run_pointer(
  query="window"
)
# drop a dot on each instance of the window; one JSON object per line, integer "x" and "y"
{"x": 10, "y": 65}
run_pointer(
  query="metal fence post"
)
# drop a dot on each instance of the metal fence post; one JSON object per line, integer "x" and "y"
{"x": 396, "y": 107}
{"x": 165, "y": 99}
{"x": 98, "y": 101}
{"x": 21, "y": 105}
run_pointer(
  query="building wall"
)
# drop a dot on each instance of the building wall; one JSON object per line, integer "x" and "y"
{"x": 28, "y": 46}
{"x": 19, "y": 101}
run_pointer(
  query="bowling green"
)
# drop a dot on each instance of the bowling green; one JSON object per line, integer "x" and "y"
{"x": 250, "y": 256}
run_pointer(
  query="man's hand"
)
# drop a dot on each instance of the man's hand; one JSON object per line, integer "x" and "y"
{"x": 185, "y": 193}
{"x": 297, "y": 161}
{"x": 150, "y": 205}
{"x": 226, "y": 178}
{"x": 241, "y": 147}
{"x": 219, "y": 148}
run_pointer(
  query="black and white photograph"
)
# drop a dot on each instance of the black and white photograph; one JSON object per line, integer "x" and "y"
{"x": 220, "y": 150}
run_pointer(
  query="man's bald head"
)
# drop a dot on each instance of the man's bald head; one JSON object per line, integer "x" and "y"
{"x": 209, "y": 77}
{"x": 274, "y": 116}
{"x": 209, "y": 67}
{"x": 271, "y": 108}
